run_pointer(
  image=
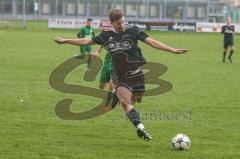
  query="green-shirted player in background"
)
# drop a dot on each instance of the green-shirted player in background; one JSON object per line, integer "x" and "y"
{"x": 106, "y": 81}
{"x": 86, "y": 32}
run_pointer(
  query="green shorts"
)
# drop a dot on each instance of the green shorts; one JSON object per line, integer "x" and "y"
{"x": 86, "y": 49}
{"x": 105, "y": 75}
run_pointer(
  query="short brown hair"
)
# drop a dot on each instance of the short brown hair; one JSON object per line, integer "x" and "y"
{"x": 115, "y": 14}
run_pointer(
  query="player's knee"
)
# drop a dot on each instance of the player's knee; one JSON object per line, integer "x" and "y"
{"x": 101, "y": 85}
{"x": 123, "y": 102}
{"x": 105, "y": 108}
{"x": 111, "y": 89}
{"x": 111, "y": 86}
{"x": 139, "y": 100}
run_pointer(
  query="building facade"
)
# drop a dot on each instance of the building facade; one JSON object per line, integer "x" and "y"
{"x": 139, "y": 10}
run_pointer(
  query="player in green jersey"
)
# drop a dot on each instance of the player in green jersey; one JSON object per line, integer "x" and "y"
{"x": 86, "y": 32}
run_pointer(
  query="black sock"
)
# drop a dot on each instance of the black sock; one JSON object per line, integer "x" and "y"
{"x": 231, "y": 53}
{"x": 115, "y": 100}
{"x": 89, "y": 62}
{"x": 111, "y": 99}
{"x": 134, "y": 116}
{"x": 230, "y": 56}
{"x": 224, "y": 56}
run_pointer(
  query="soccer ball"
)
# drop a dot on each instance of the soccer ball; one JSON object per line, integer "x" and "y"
{"x": 181, "y": 142}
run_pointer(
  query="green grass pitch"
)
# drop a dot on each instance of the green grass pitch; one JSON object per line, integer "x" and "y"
{"x": 202, "y": 84}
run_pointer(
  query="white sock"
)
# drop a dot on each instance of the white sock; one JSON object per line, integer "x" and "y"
{"x": 140, "y": 126}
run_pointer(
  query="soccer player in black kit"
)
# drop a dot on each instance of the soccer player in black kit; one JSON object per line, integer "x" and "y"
{"x": 122, "y": 43}
{"x": 228, "y": 31}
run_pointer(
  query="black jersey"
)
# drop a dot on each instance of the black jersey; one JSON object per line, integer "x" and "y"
{"x": 228, "y": 36}
{"x": 126, "y": 42}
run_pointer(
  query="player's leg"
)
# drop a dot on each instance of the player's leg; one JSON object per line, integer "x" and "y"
{"x": 114, "y": 97}
{"x": 231, "y": 52}
{"x": 104, "y": 79}
{"x": 82, "y": 49}
{"x": 111, "y": 99}
{"x": 89, "y": 51}
{"x": 125, "y": 78}
{"x": 85, "y": 51}
{"x": 125, "y": 97}
{"x": 137, "y": 97}
{"x": 110, "y": 86}
{"x": 225, "y": 51}
{"x": 82, "y": 53}
{"x": 102, "y": 85}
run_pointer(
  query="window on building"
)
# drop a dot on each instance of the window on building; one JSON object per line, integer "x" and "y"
{"x": 131, "y": 9}
{"x": 216, "y": 8}
{"x": 71, "y": 7}
{"x": 19, "y": 7}
{"x": 142, "y": 10}
{"x": 197, "y": 11}
{"x": 94, "y": 8}
{"x": 59, "y": 7}
{"x": 47, "y": 8}
{"x": 81, "y": 8}
{"x": 119, "y": 6}
{"x": 30, "y": 7}
{"x": 201, "y": 12}
{"x": 1, "y": 7}
{"x": 106, "y": 6}
{"x": 174, "y": 11}
{"x": 191, "y": 12}
{"x": 153, "y": 10}
{"x": 6, "y": 6}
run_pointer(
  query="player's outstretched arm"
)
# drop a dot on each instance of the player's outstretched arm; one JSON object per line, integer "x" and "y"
{"x": 79, "y": 42}
{"x": 161, "y": 46}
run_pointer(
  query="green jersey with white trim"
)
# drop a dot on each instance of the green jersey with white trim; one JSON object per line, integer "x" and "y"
{"x": 86, "y": 32}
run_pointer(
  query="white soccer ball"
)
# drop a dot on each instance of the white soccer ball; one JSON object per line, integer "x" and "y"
{"x": 181, "y": 142}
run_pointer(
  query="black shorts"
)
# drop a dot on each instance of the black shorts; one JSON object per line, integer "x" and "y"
{"x": 135, "y": 82}
{"x": 127, "y": 74}
{"x": 228, "y": 44}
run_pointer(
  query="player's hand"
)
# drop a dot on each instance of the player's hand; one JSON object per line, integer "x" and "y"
{"x": 180, "y": 51}
{"x": 59, "y": 40}
{"x": 229, "y": 31}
